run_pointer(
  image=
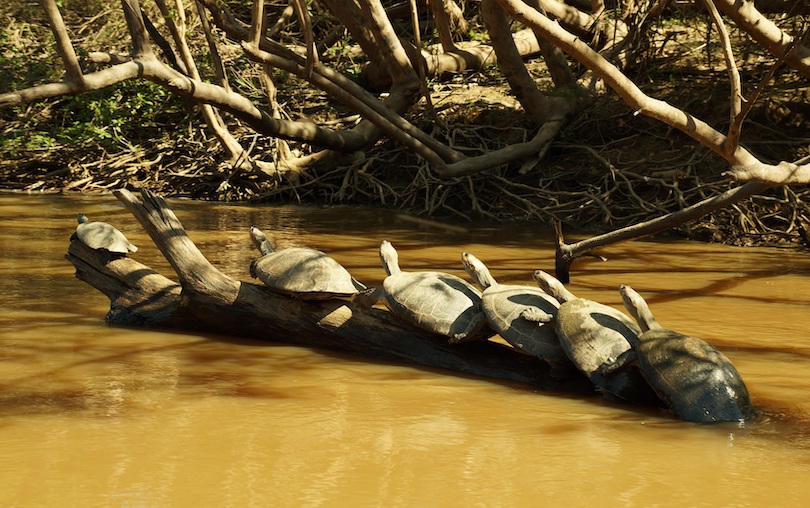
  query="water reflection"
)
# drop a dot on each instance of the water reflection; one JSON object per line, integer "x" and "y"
{"x": 105, "y": 416}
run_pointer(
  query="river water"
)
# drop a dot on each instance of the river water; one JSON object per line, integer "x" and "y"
{"x": 96, "y": 415}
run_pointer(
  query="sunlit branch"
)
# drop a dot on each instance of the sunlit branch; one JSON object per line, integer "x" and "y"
{"x": 733, "y": 139}
{"x": 63, "y": 44}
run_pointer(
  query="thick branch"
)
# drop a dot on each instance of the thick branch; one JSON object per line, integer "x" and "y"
{"x": 63, "y": 45}
{"x": 570, "y": 17}
{"x": 195, "y": 272}
{"x": 556, "y": 63}
{"x": 744, "y": 166}
{"x": 92, "y": 81}
{"x": 137, "y": 28}
{"x": 535, "y": 103}
{"x": 784, "y": 173}
{"x": 243, "y": 108}
{"x": 306, "y": 27}
{"x": 765, "y": 32}
{"x": 356, "y": 22}
{"x": 257, "y": 19}
{"x": 389, "y": 47}
{"x": 440, "y": 20}
{"x": 216, "y": 59}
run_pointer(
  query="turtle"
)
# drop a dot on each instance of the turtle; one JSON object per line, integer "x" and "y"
{"x": 505, "y": 306}
{"x": 437, "y": 302}
{"x": 301, "y": 272}
{"x": 594, "y": 336}
{"x": 697, "y": 381}
{"x": 102, "y": 236}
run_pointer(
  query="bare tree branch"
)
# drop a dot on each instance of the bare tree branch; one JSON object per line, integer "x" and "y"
{"x": 177, "y": 27}
{"x": 765, "y": 32}
{"x": 567, "y": 253}
{"x": 216, "y": 59}
{"x": 733, "y": 138}
{"x": 257, "y": 19}
{"x": 63, "y": 44}
{"x": 360, "y": 101}
{"x": 306, "y": 27}
{"x": 137, "y": 29}
{"x": 630, "y": 93}
{"x": 93, "y": 81}
{"x": 442, "y": 22}
{"x": 536, "y": 104}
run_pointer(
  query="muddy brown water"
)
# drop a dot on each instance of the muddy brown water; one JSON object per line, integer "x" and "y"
{"x": 95, "y": 415}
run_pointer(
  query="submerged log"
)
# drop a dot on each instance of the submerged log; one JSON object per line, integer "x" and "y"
{"x": 209, "y": 301}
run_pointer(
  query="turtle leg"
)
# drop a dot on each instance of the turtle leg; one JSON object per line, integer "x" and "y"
{"x": 365, "y": 300}
{"x": 536, "y": 315}
{"x": 621, "y": 361}
{"x": 471, "y": 331}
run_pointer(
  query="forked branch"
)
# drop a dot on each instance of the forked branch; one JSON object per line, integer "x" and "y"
{"x": 567, "y": 253}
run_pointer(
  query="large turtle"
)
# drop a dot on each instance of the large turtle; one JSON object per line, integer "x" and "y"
{"x": 102, "y": 236}
{"x": 697, "y": 381}
{"x": 594, "y": 336}
{"x": 505, "y": 306}
{"x": 300, "y": 272}
{"x": 438, "y": 302}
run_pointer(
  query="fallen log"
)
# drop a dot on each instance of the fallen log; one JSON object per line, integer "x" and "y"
{"x": 207, "y": 300}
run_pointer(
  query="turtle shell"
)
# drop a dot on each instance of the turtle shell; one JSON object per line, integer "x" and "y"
{"x": 696, "y": 380}
{"x": 305, "y": 273}
{"x": 504, "y": 304}
{"x": 102, "y": 236}
{"x": 437, "y": 302}
{"x": 593, "y": 336}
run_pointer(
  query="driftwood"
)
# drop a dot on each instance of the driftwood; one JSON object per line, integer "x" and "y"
{"x": 207, "y": 300}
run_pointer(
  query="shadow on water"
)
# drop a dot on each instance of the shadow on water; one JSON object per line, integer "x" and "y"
{"x": 134, "y": 378}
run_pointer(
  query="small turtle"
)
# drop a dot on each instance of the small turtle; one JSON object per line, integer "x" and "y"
{"x": 438, "y": 302}
{"x": 514, "y": 311}
{"x": 594, "y": 336}
{"x": 697, "y": 381}
{"x": 303, "y": 273}
{"x": 102, "y": 236}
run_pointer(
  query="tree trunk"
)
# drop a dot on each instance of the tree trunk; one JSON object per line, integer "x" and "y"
{"x": 207, "y": 300}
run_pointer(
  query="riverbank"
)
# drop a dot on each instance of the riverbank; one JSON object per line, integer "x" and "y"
{"x": 611, "y": 178}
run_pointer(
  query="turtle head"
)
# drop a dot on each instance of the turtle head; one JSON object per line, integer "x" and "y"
{"x": 552, "y": 286}
{"x": 389, "y": 258}
{"x": 260, "y": 240}
{"x": 477, "y": 270}
{"x": 82, "y": 218}
{"x": 638, "y": 308}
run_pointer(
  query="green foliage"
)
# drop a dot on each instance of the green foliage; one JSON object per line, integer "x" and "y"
{"x": 123, "y": 111}
{"x": 478, "y": 36}
{"x": 125, "y": 114}
{"x": 26, "y": 57}
{"x": 20, "y": 141}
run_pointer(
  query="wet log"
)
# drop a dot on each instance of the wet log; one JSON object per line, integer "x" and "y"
{"x": 206, "y": 300}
